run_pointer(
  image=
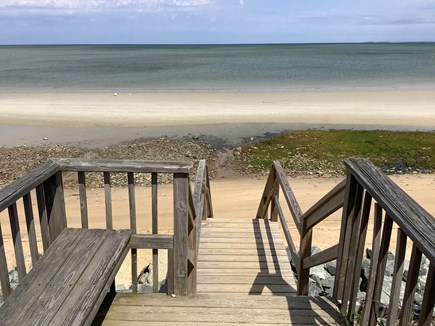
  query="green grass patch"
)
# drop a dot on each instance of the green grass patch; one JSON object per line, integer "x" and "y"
{"x": 315, "y": 151}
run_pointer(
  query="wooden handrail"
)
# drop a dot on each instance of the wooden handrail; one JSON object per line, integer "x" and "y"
{"x": 72, "y": 164}
{"x": 413, "y": 219}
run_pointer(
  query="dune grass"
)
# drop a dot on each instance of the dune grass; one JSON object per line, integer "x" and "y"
{"x": 315, "y": 151}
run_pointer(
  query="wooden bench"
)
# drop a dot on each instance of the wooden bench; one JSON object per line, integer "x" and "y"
{"x": 70, "y": 280}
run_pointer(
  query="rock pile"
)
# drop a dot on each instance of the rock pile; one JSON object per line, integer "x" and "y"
{"x": 322, "y": 281}
{"x": 16, "y": 161}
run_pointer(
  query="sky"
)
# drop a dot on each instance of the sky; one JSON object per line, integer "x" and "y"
{"x": 215, "y": 21}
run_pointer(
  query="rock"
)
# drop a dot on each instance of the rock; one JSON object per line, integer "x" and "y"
{"x": 120, "y": 287}
{"x": 318, "y": 271}
{"x": 315, "y": 250}
{"x": 328, "y": 284}
{"x": 368, "y": 253}
{"x": 389, "y": 268}
{"x": 317, "y": 281}
{"x": 331, "y": 267}
{"x": 365, "y": 266}
{"x": 390, "y": 256}
{"x": 314, "y": 290}
{"x": 13, "y": 278}
{"x": 364, "y": 281}
{"x": 418, "y": 299}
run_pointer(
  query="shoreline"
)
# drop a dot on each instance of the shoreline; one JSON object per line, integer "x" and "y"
{"x": 224, "y": 119}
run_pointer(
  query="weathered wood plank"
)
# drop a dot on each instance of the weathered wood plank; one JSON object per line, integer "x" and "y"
{"x": 68, "y": 283}
{"x": 382, "y": 261}
{"x": 181, "y": 216}
{"x": 17, "y": 189}
{"x": 322, "y": 257}
{"x": 289, "y": 196}
{"x": 108, "y": 200}
{"x": 30, "y": 287}
{"x": 55, "y": 290}
{"x": 262, "y": 303}
{"x": 132, "y": 206}
{"x": 429, "y": 298}
{"x": 414, "y": 220}
{"x": 69, "y": 164}
{"x": 285, "y": 229}
{"x": 4, "y": 275}
{"x": 83, "y": 199}
{"x": 31, "y": 232}
{"x": 349, "y": 198}
{"x": 397, "y": 278}
{"x": 85, "y": 297}
{"x": 411, "y": 285}
{"x": 222, "y": 315}
{"x": 368, "y": 315}
{"x": 55, "y": 205}
{"x": 265, "y": 198}
{"x": 155, "y": 230}
{"x": 275, "y": 289}
{"x": 330, "y": 203}
{"x": 361, "y": 238}
{"x": 258, "y": 279}
{"x": 157, "y": 241}
{"x": 43, "y": 218}
{"x": 244, "y": 252}
{"x": 16, "y": 237}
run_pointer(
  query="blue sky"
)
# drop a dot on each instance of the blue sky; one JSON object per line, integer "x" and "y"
{"x": 214, "y": 21}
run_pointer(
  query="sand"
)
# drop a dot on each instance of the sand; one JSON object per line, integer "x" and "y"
{"x": 99, "y": 119}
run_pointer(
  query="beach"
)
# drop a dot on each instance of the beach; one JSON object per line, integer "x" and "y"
{"x": 98, "y": 119}
{"x": 225, "y": 120}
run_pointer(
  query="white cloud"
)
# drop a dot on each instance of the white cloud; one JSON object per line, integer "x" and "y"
{"x": 98, "y": 4}
{"x": 242, "y": 2}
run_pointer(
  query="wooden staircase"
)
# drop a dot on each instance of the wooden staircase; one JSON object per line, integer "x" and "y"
{"x": 243, "y": 256}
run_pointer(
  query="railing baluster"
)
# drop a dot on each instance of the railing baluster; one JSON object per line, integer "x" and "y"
{"x": 83, "y": 199}
{"x": 428, "y": 299}
{"x": 16, "y": 237}
{"x": 381, "y": 263}
{"x": 132, "y": 205}
{"x": 411, "y": 284}
{"x": 367, "y": 317}
{"x": 108, "y": 200}
{"x": 155, "y": 230}
{"x": 30, "y": 223}
{"x": 397, "y": 278}
{"x": 351, "y": 241}
{"x": 349, "y": 200}
{"x": 360, "y": 251}
{"x": 43, "y": 218}
{"x": 4, "y": 274}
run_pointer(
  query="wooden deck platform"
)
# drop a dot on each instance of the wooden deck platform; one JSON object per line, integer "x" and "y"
{"x": 70, "y": 281}
{"x": 244, "y": 277}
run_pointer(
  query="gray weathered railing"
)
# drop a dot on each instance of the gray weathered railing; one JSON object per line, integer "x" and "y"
{"x": 46, "y": 182}
{"x": 364, "y": 184}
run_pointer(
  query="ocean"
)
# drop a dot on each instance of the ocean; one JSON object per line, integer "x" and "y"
{"x": 280, "y": 67}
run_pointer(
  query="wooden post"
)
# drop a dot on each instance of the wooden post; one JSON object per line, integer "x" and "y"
{"x": 349, "y": 201}
{"x": 305, "y": 251}
{"x": 16, "y": 237}
{"x": 55, "y": 205}
{"x": 108, "y": 200}
{"x": 181, "y": 218}
{"x": 155, "y": 230}
{"x": 30, "y": 223}
{"x": 4, "y": 274}
{"x": 83, "y": 199}
{"x": 132, "y": 204}
{"x": 428, "y": 299}
{"x": 273, "y": 208}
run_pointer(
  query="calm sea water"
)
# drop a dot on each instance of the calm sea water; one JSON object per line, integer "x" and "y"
{"x": 217, "y": 67}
